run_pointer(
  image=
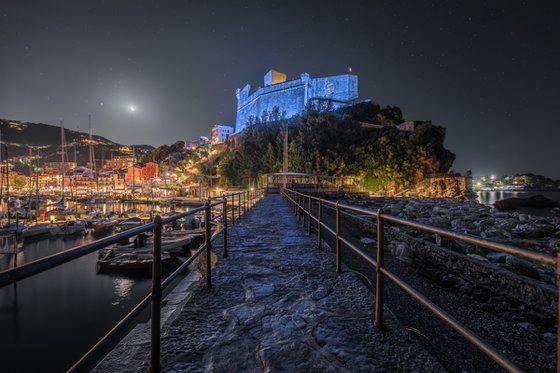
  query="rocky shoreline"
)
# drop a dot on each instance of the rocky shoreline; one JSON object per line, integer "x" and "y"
{"x": 517, "y": 289}
{"x": 536, "y": 233}
{"x": 492, "y": 293}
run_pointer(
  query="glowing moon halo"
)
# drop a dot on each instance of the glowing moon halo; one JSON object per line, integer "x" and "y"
{"x": 132, "y": 108}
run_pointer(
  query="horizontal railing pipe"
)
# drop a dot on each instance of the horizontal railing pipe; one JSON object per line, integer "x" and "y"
{"x": 538, "y": 257}
{"x": 451, "y": 321}
{"x": 86, "y": 360}
{"x": 37, "y": 266}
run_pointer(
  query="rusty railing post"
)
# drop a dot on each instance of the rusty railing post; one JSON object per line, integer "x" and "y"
{"x": 225, "y": 238}
{"x": 558, "y": 315}
{"x": 232, "y": 209}
{"x": 309, "y": 216}
{"x": 379, "y": 274}
{"x": 300, "y": 208}
{"x": 319, "y": 221}
{"x": 155, "y": 350}
{"x": 208, "y": 214}
{"x": 338, "y": 253}
{"x": 239, "y": 205}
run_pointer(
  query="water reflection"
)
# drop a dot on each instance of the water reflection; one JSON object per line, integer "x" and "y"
{"x": 48, "y": 321}
{"x": 489, "y": 197}
{"x": 56, "y": 316}
{"x": 123, "y": 289}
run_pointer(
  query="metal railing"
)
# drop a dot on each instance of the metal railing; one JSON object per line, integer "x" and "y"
{"x": 302, "y": 205}
{"x": 239, "y": 203}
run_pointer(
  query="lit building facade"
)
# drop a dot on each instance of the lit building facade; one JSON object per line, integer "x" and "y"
{"x": 135, "y": 175}
{"x": 121, "y": 163}
{"x": 152, "y": 170}
{"x": 292, "y": 97}
{"x": 221, "y": 133}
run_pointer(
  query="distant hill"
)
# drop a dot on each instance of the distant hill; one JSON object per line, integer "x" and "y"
{"x": 20, "y": 137}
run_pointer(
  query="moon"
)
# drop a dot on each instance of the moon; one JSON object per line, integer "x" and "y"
{"x": 132, "y": 108}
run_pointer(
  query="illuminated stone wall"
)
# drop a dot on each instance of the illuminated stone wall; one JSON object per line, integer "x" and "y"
{"x": 291, "y": 97}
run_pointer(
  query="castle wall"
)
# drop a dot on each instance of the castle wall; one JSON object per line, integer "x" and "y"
{"x": 291, "y": 97}
{"x": 340, "y": 89}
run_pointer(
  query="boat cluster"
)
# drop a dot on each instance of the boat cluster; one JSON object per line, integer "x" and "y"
{"x": 21, "y": 225}
{"x": 135, "y": 253}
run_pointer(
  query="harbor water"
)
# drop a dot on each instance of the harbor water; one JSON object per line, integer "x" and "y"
{"x": 50, "y": 320}
{"x": 487, "y": 197}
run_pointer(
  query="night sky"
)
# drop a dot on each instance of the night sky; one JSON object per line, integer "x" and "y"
{"x": 488, "y": 71}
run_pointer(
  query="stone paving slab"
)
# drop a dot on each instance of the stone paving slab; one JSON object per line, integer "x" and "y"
{"x": 276, "y": 306}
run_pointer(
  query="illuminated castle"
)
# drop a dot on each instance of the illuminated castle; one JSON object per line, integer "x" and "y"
{"x": 291, "y": 97}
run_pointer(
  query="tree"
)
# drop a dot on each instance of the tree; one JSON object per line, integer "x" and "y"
{"x": 328, "y": 143}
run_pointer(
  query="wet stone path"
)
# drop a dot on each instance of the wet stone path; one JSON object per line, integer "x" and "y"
{"x": 276, "y": 305}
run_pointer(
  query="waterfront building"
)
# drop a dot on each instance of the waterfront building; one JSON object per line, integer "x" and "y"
{"x": 135, "y": 175}
{"x": 83, "y": 181}
{"x": 292, "y": 97}
{"x": 105, "y": 180}
{"x": 221, "y": 133}
{"x": 121, "y": 162}
{"x": 152, "y": 170}
{"x": 58, "y": 167}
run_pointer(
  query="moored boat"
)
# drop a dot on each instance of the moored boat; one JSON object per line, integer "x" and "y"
{"x": 172, "y": 243}
{"x": 37, "y": 231}
{"x": 103, "y": 225}
{"x": 128, "y": 261}
{"x": 130, "y": 223}
{"x": 70, "y": 228}
{"x": 11, "y": 229}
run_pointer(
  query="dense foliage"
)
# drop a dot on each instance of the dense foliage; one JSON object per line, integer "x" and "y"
{"x": 328, "y": 143}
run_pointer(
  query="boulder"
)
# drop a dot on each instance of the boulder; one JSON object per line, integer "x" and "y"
{"x": 477, "y": 257}
{"x": 402, "y": 251}
{"x": 367, "y": 241}
{"x": 531, "y": 230}
{"x": 498, "y": 257}
{"x": 522, "y": 267}
{"x": 450, "y": 280}
{"x": 528, "y": 326}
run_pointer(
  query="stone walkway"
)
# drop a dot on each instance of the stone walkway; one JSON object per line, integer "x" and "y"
{"x": 276, "y": 306}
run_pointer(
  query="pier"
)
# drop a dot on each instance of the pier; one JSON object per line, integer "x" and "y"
{"x": 277, "y": 305}
{"x": 295, "y": 282}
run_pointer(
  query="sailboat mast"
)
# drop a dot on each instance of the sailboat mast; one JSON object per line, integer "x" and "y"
{"x": 1, "y": 170}
{"x": 91, "y": 155}
{"x": 133, "y": 170}
{"x": 62, "y": 158}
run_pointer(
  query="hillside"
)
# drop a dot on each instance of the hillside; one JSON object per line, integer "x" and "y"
{"x": 20, "y": 137}
{"x": 326, "y": 143}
